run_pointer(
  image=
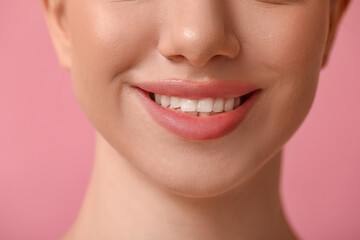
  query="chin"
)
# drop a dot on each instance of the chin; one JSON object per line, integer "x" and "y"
{"x": 203, "y": 177}
{"x": 195, "y": 186}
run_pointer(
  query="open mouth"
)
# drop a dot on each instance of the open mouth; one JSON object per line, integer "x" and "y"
{"x": 197, "y": 110}
{"x": 199, "y": 107}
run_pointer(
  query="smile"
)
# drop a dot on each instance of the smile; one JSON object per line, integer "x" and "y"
{"x": 197, "y": 110}
{"x": 201, "y": 108}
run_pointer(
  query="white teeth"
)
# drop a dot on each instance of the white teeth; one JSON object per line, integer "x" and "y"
{"x": 229, "y": 104}
{"x": 219, "y": 105}
{"x": 202, "y": 107}
{"x": 205, "y": 105}
{"x": 188, "y": 105}
{"x": 175, "y": 102}
{"x": 157, "y": 99}
{"x": 165, "y": 101}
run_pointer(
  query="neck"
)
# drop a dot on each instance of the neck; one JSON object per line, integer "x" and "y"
{"x": 121, "y": 203}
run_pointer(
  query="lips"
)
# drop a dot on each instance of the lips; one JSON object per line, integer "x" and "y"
{"x": 197, "y": 90}
{"x": 194, "y": 127}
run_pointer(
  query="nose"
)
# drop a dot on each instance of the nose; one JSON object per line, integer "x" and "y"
{"x": 197, "y": 31}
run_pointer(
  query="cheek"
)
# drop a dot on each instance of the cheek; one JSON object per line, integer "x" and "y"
{"x": 109, "y": 34}
{"x": 107, "y": 39}
{"x": 287, "y": 38}
{"x": 288, "y": 44}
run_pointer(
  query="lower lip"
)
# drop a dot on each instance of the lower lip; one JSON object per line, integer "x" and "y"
{"x": 192, "y": 127}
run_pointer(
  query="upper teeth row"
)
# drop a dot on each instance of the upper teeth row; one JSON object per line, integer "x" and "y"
{"x": 205, "y": 105}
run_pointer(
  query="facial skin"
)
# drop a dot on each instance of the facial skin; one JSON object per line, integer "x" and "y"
{"x": 279, "y": 45}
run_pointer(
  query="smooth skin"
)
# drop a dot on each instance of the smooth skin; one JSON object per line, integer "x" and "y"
{"x": 150, "y": 184}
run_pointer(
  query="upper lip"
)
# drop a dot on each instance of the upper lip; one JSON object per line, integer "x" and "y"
{"x": 198, "y": 89}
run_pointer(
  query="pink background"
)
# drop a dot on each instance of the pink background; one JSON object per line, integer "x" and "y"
{"x": 46, "y": 144}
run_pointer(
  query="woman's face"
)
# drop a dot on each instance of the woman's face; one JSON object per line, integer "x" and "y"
{"x": 276, "y": 46}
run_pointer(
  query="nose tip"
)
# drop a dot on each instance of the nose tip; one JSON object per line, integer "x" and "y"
{"x": 198, "y": 36}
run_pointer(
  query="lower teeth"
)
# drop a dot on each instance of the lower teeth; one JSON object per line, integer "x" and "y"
{"x": 200, "y": 114}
